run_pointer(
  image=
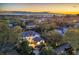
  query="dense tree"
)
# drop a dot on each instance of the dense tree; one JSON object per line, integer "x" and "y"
{"x": 45, "y": 26}
{"x": 17, "y": 29}
{"x": 7, "y": 36}
{"x": 24, "y": 48}
{"x": 3, "y": 33}
{"x": 72, "y": 37}
{"x": 13, "y": 37}
{"x": 46, "y": 51}
{"x": 53, "y": 38}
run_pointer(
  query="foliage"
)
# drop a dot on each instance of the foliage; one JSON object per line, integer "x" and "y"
{"x": 46, "y": 51}
{"x": 24, "y": 48}
{"x": 72, "y": 37}
{"x": 7, "y": 36}
{"x": 17, "y": 29}
{"x": 3, "y": 33}
{"x": 52, "y": 37}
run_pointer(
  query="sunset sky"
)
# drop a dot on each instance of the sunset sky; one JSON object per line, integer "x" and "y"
{"x": 41, "y": 7}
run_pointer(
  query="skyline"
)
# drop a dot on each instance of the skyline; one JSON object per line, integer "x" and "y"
{"x": 41, "y": 7}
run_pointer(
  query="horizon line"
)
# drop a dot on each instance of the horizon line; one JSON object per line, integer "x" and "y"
{"x": 65, "y": 12}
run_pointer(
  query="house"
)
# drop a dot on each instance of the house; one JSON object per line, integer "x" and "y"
{"x": 76, "y": 25}
{"x": 62, "y": 48}
{"x": 32, "y": 37}
{"x": 30, "y": 26}
{"x": 12, "y": 24}
{"x": 61, "y": 30}
{"x": 38, "y": 40}
{"x": 24, "y": 20}
{"x": 41, "y": 20}
{"x": 30, "y": 33}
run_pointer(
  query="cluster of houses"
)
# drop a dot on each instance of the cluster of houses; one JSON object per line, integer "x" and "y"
{"x": 35, "y": 38}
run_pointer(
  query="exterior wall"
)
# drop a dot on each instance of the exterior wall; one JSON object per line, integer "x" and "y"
{"x": 32, "y": 43}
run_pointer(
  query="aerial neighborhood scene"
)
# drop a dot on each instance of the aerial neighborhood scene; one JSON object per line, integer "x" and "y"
{"x": 39, "y": 29}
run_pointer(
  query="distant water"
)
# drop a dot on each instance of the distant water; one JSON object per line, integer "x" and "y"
{"x": 26, "y": 13}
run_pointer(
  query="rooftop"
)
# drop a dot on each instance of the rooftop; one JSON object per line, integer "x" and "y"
{"x": 37, "y": 39}
{"x": 62, "y": 47}
{"x": 29, "y": 33}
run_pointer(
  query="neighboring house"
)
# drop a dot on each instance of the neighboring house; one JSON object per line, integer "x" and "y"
{"x": 76, "y": 25}
{"x": 41, "y": 20}
{"x": 30, "y": 26}
{"x": 61, "y": 30}
{"x": 62, "y": 48}
{"x": 24, "y": 20}
{"x": 32, "y": 37}
{"x": 12, "y": 24}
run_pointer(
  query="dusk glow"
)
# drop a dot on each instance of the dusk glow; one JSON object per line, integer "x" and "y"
{"x": 39, "y": 7}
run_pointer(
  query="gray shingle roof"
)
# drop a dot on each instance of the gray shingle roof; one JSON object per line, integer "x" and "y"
{"x": 28, "y": 33}
{"x": 61, "y": 48}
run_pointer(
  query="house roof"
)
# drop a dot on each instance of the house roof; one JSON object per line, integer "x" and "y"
{"x": 29, "y": 33}
{"x": 62, "y": 47}
{"x": 30, "y": 24}
{"x": 37, "y": 39}
{"x": 24, "y": 19}
{"x": 61, "y": 30}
